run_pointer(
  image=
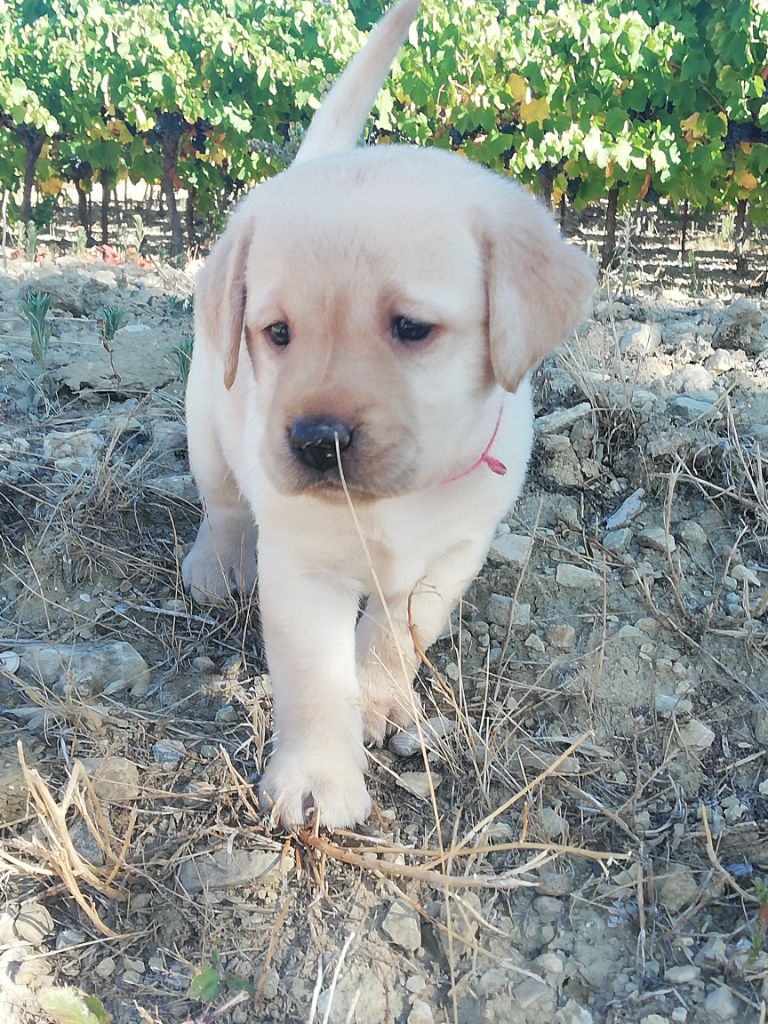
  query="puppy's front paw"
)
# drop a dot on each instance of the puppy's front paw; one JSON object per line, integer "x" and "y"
{"x": 386, "y": 708}
{"x": 295, "y": 784}
{"x": 211, "y": 572}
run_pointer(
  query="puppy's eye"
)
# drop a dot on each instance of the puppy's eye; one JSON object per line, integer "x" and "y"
{"x": 279, "y": 333}
{"x": 405, "y": 329}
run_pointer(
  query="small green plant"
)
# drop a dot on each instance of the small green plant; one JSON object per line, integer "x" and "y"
{"x": 81, "y": 239}
{"x": 761, "y": 920}
{"x": 30, "y": 243}
{"x": 211, "y": 981}
{"x": 71, "y": 1006}
{"x": 694, "y": 264}
{"x": 139, "y": 231}
{"x": 35, "y": 308}
{"x": 183, "y": 354}
{"x": 109, "y": 321}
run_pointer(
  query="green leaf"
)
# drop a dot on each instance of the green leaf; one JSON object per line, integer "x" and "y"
{"x": 70, "y": 1006}
{"x": 205, "y": 985}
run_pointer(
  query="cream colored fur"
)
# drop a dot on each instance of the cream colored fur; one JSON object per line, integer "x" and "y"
{"x": 338, "y": 247}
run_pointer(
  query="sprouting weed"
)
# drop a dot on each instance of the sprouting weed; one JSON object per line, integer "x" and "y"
{"x": 81, "y": 239}
{"x": 35, "y": 308}
{"x": 109, "y": 321}
{"x": 761, "y": 920}
{"x": 183, "y": 354}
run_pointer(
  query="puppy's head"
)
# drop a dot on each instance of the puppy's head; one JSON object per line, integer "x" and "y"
{"x": 385, "y": 296}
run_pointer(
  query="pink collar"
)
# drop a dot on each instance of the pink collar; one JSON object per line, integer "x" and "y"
{"x": 494, "y": 465}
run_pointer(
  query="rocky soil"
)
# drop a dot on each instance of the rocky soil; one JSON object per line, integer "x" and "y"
{"x": 578, "y": 835}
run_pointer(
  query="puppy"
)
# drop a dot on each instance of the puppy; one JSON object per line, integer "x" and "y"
{"x": 364, "y": 331}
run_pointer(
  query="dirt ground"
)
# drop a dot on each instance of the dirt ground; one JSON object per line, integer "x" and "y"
{"x": 582, "y": 838}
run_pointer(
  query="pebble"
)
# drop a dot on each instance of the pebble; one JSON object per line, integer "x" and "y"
{"x": 668, "y": 704}
{"x": 617, "y": 540}
{"x": 510, "y": 549}
{"x": 722, "y": 1004}
{"x": 535, "y": 643}
{"x": 416, "y": 984}
{"x": 204, "y": 664}
{"x": 693, "y": 535}
{"x": 26, "y": 922}
{"x": 407, "y": 742}
{"x": 677, "y": 887}
{"x": 627, "y": 511}
{"x": 683, "y": 974}
{"x": 744, "y": 575}
{"x": 575, "y": 577}
{"x": 739, "y": 328}
{"x": 227, "y": 713}
{"x": 227, "y": 868}
{"x": 561, "y": 636}
{"x": 657, "y": 539}
{"x": 421, "y": 1013}
{"x": 106, "y": 968}
{"x": 548, "y": 908}
{"x": 640, "y": 340}
{"x": 690, "y": 409}
{"x": 562, "y": 419}
{"x": 529, "y": 992}
{"x": 403, "y": 926}
{"x": 697, "y": 735}
{"x": 9, "y": 662}
{"x": 82, "y": 445}
{"x": 572, "y": 1013}
{"x": 106, "y": 668}
{"x": 418, "y": 783}
{"x": 114, "y": 779}
{"x": 505, "y": 611}
{"x": 168, "y": 751}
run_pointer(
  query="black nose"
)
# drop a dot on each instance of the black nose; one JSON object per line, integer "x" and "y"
{"x": 313, "y": 440}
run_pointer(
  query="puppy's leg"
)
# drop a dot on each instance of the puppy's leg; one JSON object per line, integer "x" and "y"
{"x": 224, "y": 553}
{"x": 318, "y": 761}
{"x": 386, "y": 652}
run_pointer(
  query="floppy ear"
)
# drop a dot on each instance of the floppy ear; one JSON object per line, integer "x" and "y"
{"x": 539, "y": 288}
{"x": 220, "y": 293}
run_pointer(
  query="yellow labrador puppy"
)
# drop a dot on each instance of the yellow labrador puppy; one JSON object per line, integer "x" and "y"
{"x": 359, "y": 389}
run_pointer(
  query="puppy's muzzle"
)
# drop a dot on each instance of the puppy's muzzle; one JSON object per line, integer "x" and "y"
{"x": 313, "y": 441}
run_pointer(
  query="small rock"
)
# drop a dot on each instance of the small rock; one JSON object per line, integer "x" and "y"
{"x": 722, "y": 1004}
{"x": 419, "y": 783}
{"x": 742, "y": 574}
{"x": 505, "y": 611}
{"x": 654, "y": 1018}
{"x": 114, "y": 779}
{"x": 693, "y": 535}
{"x": 627, "y": 511}
{"x": 657, "y": 539}
{"x": 131, "y": 964}
{"x": 535, "y": 643}
{"x": 696, "y": 735}
{"x": 83, "y": 445}
{"x": 640, "y": 340}
{"x": 9, "y": 662}
{"x": 510, "y": 549}
{"x": 87, "y": 668}
{"x": 690, "y": 377}
{"x": 403, "y": 926}
{"x": 69, "y": 937}
{"x": 562, "y": 418}
{"x": 25, "y": 922}
{"x": 554, "y": 824}
{"x": 683, "y": 974}
{"x": 421, "y": 1013}
{"x": 739, "y": 328}
{"x": 690, "y": 409}
{"x": 529, "y": 992}
{"x": 617, "y": 540}
{"x": 168, "y": 751}
{"x": 227, "y": 713}
{"x": 721, "y": 361}
{"x": 760, "y": 725}
{"x": 205, "y": 665}
{"x": 270, "y": 986}
{"x": 416, "y": 984}
{"x": 677, "y": 887}
{"x": 407, "y": 742}
{"x": 561, "y": 636}
{"x": 175, "y": 485}
{"x": 548, "y": 908}
{"x": 225, "y": 869}
{"x": 106, "y": 968}
{"x": 85, "y": 843}
{"x": 572, "y": 1013}
{"x": 576, "y": 578}
{"x": 672, "y": 704}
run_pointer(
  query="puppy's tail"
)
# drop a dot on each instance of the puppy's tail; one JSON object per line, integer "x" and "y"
{"x": 338, "y": 123}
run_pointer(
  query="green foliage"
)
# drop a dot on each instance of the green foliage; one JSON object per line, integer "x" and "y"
{"x": 70, "y": 1006}
{"x": 665, "y": 100}
{"x": 211, "y": 980}
{"x": 183, "y": 355}
{"x": 35, "y": 308}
